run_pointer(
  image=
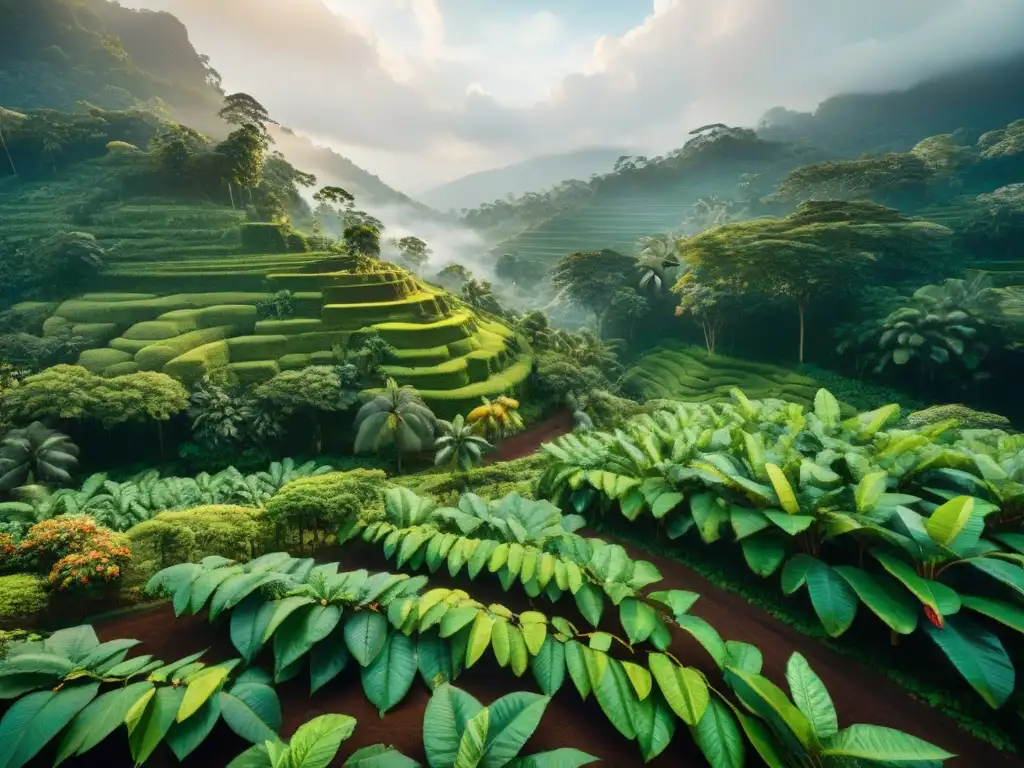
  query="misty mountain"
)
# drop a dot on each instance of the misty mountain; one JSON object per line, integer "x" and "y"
{"x": 535, "y": 174}
{"x": 972, "y": 99}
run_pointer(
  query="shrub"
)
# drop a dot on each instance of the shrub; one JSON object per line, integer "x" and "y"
{"x": 234, "y": 532}
{"x": 322, "y": 502}
{"x": 90, "y": 571}
{"x": 22, "y": 595}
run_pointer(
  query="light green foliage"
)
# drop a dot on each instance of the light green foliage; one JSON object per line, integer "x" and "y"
{"x": 317, "y": 388}
{"x": 72, "y": 392}
{"x": 797, "y": 489}
{"x": 675, "y": 371}
{"x": 191, "y": 534}
{"x": 457, "y": 446}
{"x": 490, "y": 482}
{"x": 22, "y": 597}
{"x": 967, "y": 418}
{"x": 328, "y": 499}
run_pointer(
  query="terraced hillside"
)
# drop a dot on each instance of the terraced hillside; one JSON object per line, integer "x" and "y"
{"x": 676, "y": 371}
{"x": 129, "y": 230}
{"x": 452, "y": 356}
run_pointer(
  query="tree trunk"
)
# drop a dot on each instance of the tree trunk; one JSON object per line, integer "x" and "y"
{"x": 801, "y": 308}
{"x": 3, "y": 141}
{"x": 231, "y": 192}
{"x": 398, "y": 456}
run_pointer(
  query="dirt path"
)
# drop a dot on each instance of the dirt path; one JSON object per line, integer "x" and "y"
{"x": 525, "y": 443}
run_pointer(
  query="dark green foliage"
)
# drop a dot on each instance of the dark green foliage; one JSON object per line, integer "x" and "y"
{"x": 47, "y": 268}
{"x": 36, "y": 455}
{"x": 396, "y": 417}
{"x": 177, "y": 537}
{"x": 280, "y": 306}
{"x": 33, "y": 353}
{"x": 227, "y": 417}
{"x": 362, "y": 239}
{"x": 591, "y": 279}
{"x": 264, "y": 237}
{"x": 458, "y": 446}
{"x": 479, "y": 294}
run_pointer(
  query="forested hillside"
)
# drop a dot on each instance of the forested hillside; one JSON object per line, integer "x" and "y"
{"x": 57, "y": 53}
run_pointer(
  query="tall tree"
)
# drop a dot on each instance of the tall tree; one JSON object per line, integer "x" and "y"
{"x": 241, "y": 109}
{"x": 362, "y": 239}
{"x": 590, "y": 279}
{"x": 242, "y": 157}
{"x": 414, "y": 251}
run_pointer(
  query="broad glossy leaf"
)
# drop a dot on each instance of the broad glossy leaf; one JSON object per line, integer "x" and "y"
{"x": 315, "y": 743}
{"x": 744, "y": 656}
{"x": 434, "y": 658}
{"x": 199, "y": 689}
{"x": 447, "y": 714}
{"x": 706, "y": 635}
{"x": 768, "y": 702}
{"x": 764, "y": 552}
{"x": 365, "y": 635}
{"x": 327, "y": 660}
{"x": 811, "y": 697}
{"x": 719, "y": 738}
{"x": 787, "y": 498}
{"x": 940, "y": 598}
{"x": 565, "y": 757}
{"x": 590, "y": 602}
{"x": 390, "y": 675}
{"x": 549, "y": 666}
{"x": 640, "y": 678}
{"x": 577, "y": 666}
{"x": 479, "y": 637}
{"x": 655, "y": 725}
{"x": 471, "y": 745}
{"x": 978, "y": 655}
{"x": 884, "y": 597}
{"x": 99, "y": 719}
{"x": 184, "y": 738}
{"x": 34, "y": 720}
{"x": 683, "y": 688}
{"x": 638, "y": 619}
{"x": 379, "y": 756}
{"x": 513, "y": 719}
{"x": 252, "y": 711}
{"x": 1005, "y": 613}
{"x": 875, "y": 743}
{"x": 616, "y": 696}
{"x": 833, "y": 598}
{"x": 151, "y": 726}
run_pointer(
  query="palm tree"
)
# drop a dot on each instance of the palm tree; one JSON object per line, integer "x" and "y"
{"x": 36, "y": 454}
{"x": 586, "y": 348}
{"x": 458, "y": 446}
{"x": 397, "y": 415}
{"x": 497, "y": 418}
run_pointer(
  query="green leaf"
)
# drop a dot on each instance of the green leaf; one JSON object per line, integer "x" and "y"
{"x": 1005, "y": 613}
{"x": 479, "y": 637}
{"x": 565, "y": 757}
{"x": 616, "y": 696}
{"x": 379, "y": 756}
{"x": 811, "y": 697}
{"x": 884, "y": 597}
{"x": 151, "y": 725}
{"x": 549, "y": 666}
{"x": 390, "y": 675}
{"x": 73, "y": 643}
{"x": 767, "y": 701}
{"x": 719, "y": 738}
{"x": 200, "y": 688}
{"x": 791, "y": 523}
{"x": 184, "y": 738}
{"x": 252, "y": 711}
{"x": 875, "y": 743}
{"x": 706, "y": 635}
{"x": 679, "y": 601}
{"x": 248, "y": 623}
{"x": 1010, "y": 574}
{"x": 869, "y": 490}
{"x": 365, "y": 635}
{"x": 764, "y": 743}
{"x": 655, "y": 725}
{"x": 254, "y": 757}
{"x": 833, "y": 599}
{"x": 327, "y": 660}
{"x": 746, "y": 522}
{"x": 683, "y": 688}
{"x": 590, "y": 602}
{"x": 577, "y": 666}
{"x": 764, "y": 552}
{"x": 638, "y": 619}
{"x": 827, "y": 409}
{"x": 281, "y": 610}
{"x": 940, "y": 598}
{"x": 955, "y": 516}
{"x": 640, "y": 678}
{"x": 709, "y": 514}
{"x": 978, "y": 655}
{"x": 787, "y": 498}
{"x": 456, "y": 618}
{"x": 743, "y": 656}
{"x": 448, "y": 712}
{"x": 794, "y": 574}
{"x": 301, "y": 631}
{"x": 315, "y": 743}
{"x": 99, "y": 719}
{"x": 33, "y": 721}
{"x": 513, "y": 719}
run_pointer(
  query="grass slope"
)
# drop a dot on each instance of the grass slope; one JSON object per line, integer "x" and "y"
{"x": 676, "y": 371}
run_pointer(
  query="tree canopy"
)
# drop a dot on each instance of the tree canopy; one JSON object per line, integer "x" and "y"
{"x": 591, "y": 278}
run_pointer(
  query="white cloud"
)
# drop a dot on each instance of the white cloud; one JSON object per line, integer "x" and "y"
{"x": 419, "y": 92}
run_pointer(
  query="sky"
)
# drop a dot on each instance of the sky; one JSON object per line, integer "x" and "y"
{"x": 421, "y": 92}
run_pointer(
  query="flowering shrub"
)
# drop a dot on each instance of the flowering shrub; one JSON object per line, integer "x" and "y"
{"x": 89, "y": 571}
{"x": 78, "y": 554}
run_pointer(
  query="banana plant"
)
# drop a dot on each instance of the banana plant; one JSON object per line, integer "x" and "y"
{"x": 458, "y": 446}
{"x": 315, "y": 745}
{"x": 280, "y": 473}
{"x": 802, "y": 730}
{"x": 459, "y": 731}
{"x": 119, "y": 506}
{"x": 56, "y": 684}
{"x": 941, "y": 564}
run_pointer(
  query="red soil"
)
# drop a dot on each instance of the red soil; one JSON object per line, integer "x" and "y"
{"x": 525, "y": 443}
